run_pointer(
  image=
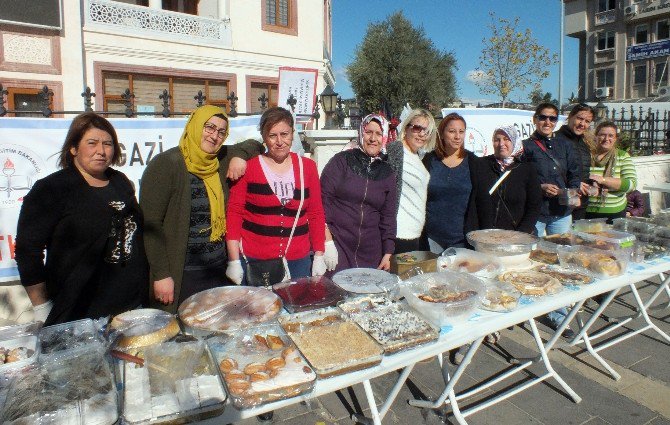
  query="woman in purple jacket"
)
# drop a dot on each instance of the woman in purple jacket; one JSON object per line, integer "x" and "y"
{"x": 359, "y": 197}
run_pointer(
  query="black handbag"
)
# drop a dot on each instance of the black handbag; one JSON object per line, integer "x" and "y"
{"x": 275, "y": 270}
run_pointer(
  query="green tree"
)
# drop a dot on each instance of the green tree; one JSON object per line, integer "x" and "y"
{"x": 536, "y": 97}
{"x": 511, "y": 59}
{"x": 396, "y": 63}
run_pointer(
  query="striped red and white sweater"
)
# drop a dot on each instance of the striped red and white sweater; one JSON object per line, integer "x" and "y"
{"x": 256, "y": 216}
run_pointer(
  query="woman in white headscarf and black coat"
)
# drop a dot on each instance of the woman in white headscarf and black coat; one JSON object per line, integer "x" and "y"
{"x": 516, "y": 194}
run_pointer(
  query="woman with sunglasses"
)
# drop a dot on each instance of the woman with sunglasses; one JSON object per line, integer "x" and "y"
{"x": 183, "y": 195}
{"x": 359, "y": 198}
{"x": 417, "y": 136}
{"x": 614, "y": 173}
{"x": 579, "y": 120}
{"x": 458, "y": 200}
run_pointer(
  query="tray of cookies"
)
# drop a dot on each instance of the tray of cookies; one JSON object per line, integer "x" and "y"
{"x": 331, "y": 343}
{"x": 261, "y": 364}
{"x": 227, "y": 308}
{"x": 392, "y": 324}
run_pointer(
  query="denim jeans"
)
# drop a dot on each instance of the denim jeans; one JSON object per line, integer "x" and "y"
{"x": 552, "y": 224}
{"x": 298, "y": 268}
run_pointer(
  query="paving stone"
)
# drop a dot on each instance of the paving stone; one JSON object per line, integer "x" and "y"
{"x": 595, "y": 421}
{"x": 660, "y": 420}
{"x": 306, "y": 419}
{"x": 503, "y": 413}
{"x": 341, "y": 404}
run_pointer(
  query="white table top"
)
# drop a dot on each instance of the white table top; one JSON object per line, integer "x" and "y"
{"x": 462, "y": 332}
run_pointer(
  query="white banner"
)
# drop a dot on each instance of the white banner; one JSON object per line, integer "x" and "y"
{"x": 482, "y": 121}
{"x": 301, "y": 83}
{"x": 29, "y": 151}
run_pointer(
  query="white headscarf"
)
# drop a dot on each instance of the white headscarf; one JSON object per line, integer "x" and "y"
{"x": 517, "y": 146}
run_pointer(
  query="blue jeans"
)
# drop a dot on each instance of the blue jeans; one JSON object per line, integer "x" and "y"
{"x": 552, "y": 224}
{"x": 298, "y": 268}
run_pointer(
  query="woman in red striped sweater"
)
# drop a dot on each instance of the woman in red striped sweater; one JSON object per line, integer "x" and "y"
{"x": 263, "y": 205}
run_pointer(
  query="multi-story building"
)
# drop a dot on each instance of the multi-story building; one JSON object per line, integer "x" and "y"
{"x": 624, "y": 48}
{"x": 147, "y": 46}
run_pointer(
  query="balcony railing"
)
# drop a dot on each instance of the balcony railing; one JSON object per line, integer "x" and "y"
{"x": 606, "y": 17}
{"x": 161, "y": 24}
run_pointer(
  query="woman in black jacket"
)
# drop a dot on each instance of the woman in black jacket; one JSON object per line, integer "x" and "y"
{"x": 514, "y": 186}
{"x": 86, "y": 218}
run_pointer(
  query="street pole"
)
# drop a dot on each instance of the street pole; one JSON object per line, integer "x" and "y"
{"x": 560, "y": 58}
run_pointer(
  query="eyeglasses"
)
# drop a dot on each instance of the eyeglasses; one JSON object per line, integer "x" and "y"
{"x": 211, "y": 129}
{"x": 420, "y": 130}
{"x": 542, "y": 117}
{"x": 284, "y": 135}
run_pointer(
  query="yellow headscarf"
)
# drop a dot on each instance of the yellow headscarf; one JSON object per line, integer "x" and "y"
{"x": 205, "y": 165}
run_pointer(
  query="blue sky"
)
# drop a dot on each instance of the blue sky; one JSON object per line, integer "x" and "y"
{"x": 457, "y": 26}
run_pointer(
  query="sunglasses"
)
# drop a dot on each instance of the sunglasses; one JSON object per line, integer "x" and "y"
{"x": 542, "y": 117}
{"x": 417, "y": 129}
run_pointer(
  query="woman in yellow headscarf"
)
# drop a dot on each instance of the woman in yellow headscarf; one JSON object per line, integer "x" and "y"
{"x": 183, "y": 195}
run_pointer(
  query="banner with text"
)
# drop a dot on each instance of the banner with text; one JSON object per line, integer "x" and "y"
{"x": 301, "y": 83}
{"x": 482, "y": 121}
{"x": 29, "y": 151}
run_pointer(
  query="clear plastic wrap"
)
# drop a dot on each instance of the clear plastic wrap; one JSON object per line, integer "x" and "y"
{"x": 443, "y": 297}
{"x": 502, "y": 242}
{"x": 178, "y": 382}
{"x": 532, "y": 283}
{"x": 545, "y": 252}
{"x": 59, "y": 340}
{"x": 633, "y": 226}
{"x": 228, "y": 308}
{"x": 567, "y": 238}
{"x": 610, "y": 240}
{"x": 565, "y": 276}
{"x": 77, "y": 389}
{"x": 331, "y": 343}
{"x": 308, "y": 293}
{"x": 260, "y": 365}
{"x": 469, "y": 261}
{"x": 17, "y": 353}
{"x": 594, "y": 262}
{"x": 500, "y": 296}
{"x": 590, "y": 225}
{"x": 392, "y": 324}
{"x": 140, "y": 328}
{"x": 366, "y": 281}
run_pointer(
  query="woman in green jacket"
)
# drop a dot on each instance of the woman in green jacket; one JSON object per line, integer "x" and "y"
{"x": 183, "y": 195}
{"x": 613, "y": 172}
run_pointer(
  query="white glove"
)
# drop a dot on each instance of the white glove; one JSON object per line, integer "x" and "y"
{"x": 319, "y": 265}
{"x": 42, "y": 311}
{"x": 330, "y": 255}
{"x": 234, "y": 271}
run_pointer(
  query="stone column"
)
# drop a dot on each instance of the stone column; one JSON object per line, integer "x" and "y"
{"x": 156, "y": 4}
{"x": 324, "y": 144}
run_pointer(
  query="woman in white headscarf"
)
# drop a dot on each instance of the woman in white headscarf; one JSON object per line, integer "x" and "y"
{"x": 514, "y": 185}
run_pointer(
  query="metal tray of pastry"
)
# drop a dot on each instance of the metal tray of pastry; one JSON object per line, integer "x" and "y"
{"x": 331, "y": 343}
{"x": 178, "y": 383}
{"x": 228, "y": 308}
{"x": 392, "y": 324}
{"x": 565, "y": 276}
{"x": 261, "y": 364}
{"x": 598, "y": 263}
{"x": 501, "y": 242}
{"x": 532, "y": 283}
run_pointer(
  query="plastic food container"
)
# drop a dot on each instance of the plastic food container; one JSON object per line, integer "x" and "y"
{"x": 511, "y": 247}
{"x": 142, "y": 327}
{"x": 633, "y": 226}
{"x": 17, "y": 353}
{"x": 366, "y": 281}
{"x": 590, "y": 225}
{"x": 331, "y": 343}
{"x": 567, "y": 238}
{"x": 607, "y": 239}
{"x": 565, "y": 276}
{"x": 469, "y": 261}
{"x": 662, "y": 232}
{"x": 308, "y": 293}
{"x": 392, "y": 324}
{"x": 261, "y": 364}
{"x": 443, "y": 297}
{"x": 500, "y": 296}
{"x": 545, "y": 252}
{"x": 78, "y": 389}
{"x": 60, "y": 340}
{"x": 178, "y": 383}
{"x": 594, "y": 262}
{"x": 228, "y": 308}
{"x": 532, "y": 283}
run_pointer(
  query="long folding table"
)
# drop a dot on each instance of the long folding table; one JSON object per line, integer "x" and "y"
{"x": 472, "y": 331}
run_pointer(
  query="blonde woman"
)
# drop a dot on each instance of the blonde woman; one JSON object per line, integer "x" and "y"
{"x": 417, "y": 136}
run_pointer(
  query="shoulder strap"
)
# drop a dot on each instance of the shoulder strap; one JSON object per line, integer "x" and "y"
{"x": 302, "y": 200}
{"x": 558, "y": 164}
